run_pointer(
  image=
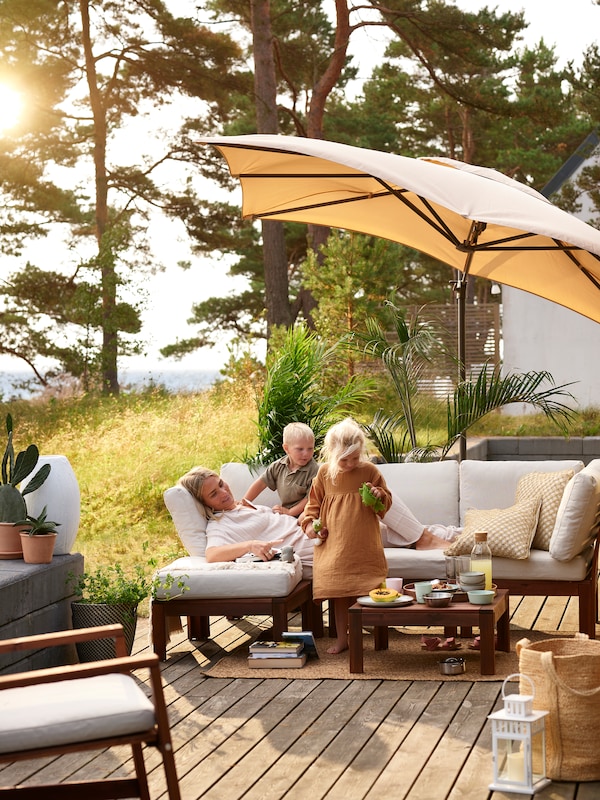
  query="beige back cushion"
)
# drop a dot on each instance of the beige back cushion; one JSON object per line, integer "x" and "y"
{"x": 550, "y": 486}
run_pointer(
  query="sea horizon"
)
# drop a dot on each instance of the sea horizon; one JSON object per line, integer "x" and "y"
{"x": 18, "y": 384}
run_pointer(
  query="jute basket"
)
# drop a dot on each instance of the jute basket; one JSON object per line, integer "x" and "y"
{"x": 566, "y": 676}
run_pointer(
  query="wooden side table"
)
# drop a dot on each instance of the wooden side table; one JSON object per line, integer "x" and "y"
{"x": 491, "y": 618}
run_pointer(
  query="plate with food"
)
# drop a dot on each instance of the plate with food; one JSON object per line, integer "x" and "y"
{"x": 398, "y": 600}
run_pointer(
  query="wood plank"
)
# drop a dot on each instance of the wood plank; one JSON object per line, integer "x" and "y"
{"x": 329, "y": 770}
{"x": 420, "y": 743}
{"x": 314, "y": 728}
{"x": 229, "y": 739}
{"x": 439, "y": 773}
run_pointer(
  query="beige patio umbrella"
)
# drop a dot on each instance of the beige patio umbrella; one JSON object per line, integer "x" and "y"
{"x": 474, "y": 219}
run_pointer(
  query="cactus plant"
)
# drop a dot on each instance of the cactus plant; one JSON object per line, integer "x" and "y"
{"x": 14, "y": 470}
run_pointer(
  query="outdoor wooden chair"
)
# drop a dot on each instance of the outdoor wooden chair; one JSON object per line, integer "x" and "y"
{"x": 93, "y": 706}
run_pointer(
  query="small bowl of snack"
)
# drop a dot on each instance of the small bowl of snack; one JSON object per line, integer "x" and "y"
{"x": 438, "y": 599}
{"x": 481, "y": 597}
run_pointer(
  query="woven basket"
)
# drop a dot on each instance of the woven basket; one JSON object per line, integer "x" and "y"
{"x": 90, "y": 615}
{"x": 566, "y": 675}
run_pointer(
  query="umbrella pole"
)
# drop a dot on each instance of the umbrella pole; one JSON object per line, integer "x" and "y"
{"x": 461, "y": 293}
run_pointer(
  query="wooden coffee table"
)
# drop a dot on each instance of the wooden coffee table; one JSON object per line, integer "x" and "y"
{"x": 489, "y": 619}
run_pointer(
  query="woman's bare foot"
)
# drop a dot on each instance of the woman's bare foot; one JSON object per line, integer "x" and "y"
{"x": 338, "y": 647}
{"x": 429, "y": 541}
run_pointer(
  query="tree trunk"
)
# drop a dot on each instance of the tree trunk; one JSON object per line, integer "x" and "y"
{"x": 265, "y": 90}
{"x": 110, "y": 382}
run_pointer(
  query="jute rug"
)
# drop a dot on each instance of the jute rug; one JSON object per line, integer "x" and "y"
{"x": 404, "y": 660}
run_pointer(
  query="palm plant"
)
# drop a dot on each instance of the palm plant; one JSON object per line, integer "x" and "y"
{"x": 295, "y": 391}
{"x": 488, "y": 391}
{"x": 485, "y": 391}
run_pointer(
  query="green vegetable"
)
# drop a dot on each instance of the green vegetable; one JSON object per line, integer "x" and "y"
{"x": 317, "y": 525}
{"x": 369, "y": 499}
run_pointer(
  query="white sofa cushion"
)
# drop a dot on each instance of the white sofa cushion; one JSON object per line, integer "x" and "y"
{"x": 229, "y": 579}
{"x": 510, "y": 530}
{"x": 189, "y": 519}
{"x": 426, "y": 564}
{"x": 78, "y": 710}
{"x": 493, "y": 484}
{"x": 576, "y": 516}
{"x": 239, "y": 478}
{"x": 550, "y": 486}
{"x": 429, "y": 490}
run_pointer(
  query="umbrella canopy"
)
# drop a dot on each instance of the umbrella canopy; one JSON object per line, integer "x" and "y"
{"x": 472, "y": 218}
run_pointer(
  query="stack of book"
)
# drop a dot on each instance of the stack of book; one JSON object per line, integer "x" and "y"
{"x": 290, "y": 653}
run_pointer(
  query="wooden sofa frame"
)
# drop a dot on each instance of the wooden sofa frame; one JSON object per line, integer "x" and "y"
{"x": 199, "y": 610}
{"x": 585, "y": 590}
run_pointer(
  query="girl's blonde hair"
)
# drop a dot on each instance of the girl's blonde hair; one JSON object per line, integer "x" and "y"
{"x": 194, "y": 480}
{"x": 342, "y": 440}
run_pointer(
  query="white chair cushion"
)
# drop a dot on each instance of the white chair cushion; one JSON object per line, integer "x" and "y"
{"x": 493, "y": 484}
{"x": 576, "y": 515}
{"x": 189, "y": 519}
{"x": 78, "y": 710}
{"x": 229, "y": 579}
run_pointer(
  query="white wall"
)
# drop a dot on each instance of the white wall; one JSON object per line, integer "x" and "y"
{"x": 540, "y": 335}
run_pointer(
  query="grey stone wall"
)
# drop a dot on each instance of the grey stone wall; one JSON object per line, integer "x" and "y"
{"x": 35, "y": 598}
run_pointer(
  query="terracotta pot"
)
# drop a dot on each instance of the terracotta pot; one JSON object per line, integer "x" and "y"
{"x": 10, "y": 541}
{"x": 38, "y": 549}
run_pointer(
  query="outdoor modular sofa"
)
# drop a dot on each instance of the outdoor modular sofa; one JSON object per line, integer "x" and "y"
{"x": 561, "y": 562}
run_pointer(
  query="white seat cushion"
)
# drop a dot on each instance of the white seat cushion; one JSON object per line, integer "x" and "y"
{"x": 229, "y": 579}
{"x": 70, "y": 711}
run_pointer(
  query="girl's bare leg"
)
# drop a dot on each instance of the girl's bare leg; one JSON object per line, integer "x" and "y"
{"x": 340, "y": 609}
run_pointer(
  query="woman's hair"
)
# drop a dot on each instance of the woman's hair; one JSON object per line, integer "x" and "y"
{"x": 194, "y": 480}
{"x": 342, "y": 440}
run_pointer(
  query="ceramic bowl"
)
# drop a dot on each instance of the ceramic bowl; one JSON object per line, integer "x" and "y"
{"x": 481, "y": 597}
{"x": 438, "y": 599}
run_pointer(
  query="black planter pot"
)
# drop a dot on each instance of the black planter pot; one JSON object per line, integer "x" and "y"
{"x": 90, "y": 615}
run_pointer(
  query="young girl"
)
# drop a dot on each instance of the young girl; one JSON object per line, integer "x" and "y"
{"x": 351, "y": 561}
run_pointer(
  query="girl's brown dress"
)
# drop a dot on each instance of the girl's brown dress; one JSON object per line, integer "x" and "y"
{"x": 351, "y": 561}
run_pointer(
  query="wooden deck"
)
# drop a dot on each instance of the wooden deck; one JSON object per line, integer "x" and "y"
{"x": 263, "y": 739}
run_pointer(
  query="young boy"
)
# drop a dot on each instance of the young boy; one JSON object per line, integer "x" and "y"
{"x": 290, "y": 476}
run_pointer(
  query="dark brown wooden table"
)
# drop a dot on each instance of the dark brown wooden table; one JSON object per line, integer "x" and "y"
{"x": 490, "y": 619}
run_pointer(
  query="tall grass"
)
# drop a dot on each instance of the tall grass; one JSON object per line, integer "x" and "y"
{"x": 126, "y": 451}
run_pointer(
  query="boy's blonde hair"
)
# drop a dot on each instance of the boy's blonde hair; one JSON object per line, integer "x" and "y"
{"x": 295, "y": 431}
{"x": 342, "y": 440}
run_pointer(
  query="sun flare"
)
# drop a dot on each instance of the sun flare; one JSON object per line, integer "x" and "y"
{"x": 11, "y": 105}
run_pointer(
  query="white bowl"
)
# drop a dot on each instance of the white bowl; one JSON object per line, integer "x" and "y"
{"x": 481, "y": 597}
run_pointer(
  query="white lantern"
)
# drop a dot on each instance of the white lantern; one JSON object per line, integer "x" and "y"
{"x": 519, "y": 744}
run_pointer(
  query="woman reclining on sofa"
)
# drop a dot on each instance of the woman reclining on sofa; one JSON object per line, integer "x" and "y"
{"x": 235, "y": 528}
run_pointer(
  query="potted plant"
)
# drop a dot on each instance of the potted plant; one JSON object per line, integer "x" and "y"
{"x": 12, "y": 504}
{"x": 39, "y": 538}
{"x": 104, "y": 596}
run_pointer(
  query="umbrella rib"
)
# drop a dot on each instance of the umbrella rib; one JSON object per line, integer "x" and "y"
{"x": 310, "y": 206}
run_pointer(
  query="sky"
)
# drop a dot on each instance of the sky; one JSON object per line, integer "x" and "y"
{"x": 171, "y": 293}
